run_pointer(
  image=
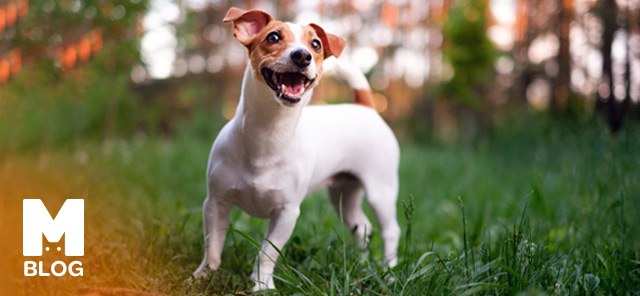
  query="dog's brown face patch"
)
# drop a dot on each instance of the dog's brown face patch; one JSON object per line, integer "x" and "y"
{"x": 274, "y": 39}
{"x": 286, "y": 57}
{"x": 313, "y": 42}
{"x": 269, "y": 45}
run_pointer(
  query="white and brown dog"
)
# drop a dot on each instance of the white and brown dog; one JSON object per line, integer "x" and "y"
{"x": 276, "y": 151}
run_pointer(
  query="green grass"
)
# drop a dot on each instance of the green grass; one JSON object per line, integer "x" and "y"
{"x": 537, "y": 206}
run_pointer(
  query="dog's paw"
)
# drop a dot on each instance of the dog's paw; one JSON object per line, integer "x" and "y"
{"x": 263, "y": 286}
{"x": 205, "y": 268}
{"x": 198, "y": 274}
{"x": 201, "y": 272}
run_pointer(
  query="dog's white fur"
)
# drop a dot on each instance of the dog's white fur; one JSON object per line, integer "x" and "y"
{"x": 271, "y": 155}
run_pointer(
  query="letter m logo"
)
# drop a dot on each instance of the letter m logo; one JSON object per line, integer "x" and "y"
{"x": 37, "y": 221}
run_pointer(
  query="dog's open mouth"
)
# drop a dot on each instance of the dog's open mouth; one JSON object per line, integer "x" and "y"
{"x": 289, "y": 86}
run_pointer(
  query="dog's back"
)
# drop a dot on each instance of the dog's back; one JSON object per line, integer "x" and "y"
{"x": 367, "y": 144}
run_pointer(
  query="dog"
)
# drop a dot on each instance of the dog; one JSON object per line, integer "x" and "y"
{"x": 276, "y": 150}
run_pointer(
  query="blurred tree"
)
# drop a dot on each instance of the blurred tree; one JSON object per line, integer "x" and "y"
{"x": 606, "y": 104}
{"x": 69, "y": 31}
{"x": 524, "y": 31}
{"x": 631, "y": 22}
{"x": 561, "y": 90}
{"x": 75, "y": 60}
{"x": 468, "y": 54}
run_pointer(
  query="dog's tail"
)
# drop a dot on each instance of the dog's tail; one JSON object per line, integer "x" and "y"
{"x": 358, "y": 82}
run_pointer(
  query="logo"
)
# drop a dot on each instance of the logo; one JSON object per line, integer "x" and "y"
{"x": 36, "y": 222}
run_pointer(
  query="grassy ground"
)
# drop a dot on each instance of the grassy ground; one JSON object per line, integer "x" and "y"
{"x": 541, "y": 207}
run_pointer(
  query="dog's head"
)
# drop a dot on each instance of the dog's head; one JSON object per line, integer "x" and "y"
{"x": 286, "y": 57}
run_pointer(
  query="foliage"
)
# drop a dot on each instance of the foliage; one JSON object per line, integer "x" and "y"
{"x": 468, "y": 52}
{"x": 49, "y": 105}
{"x": 52, "y": 110}
{"x": 44, "y": 107}
{"x": 50, "y": 23}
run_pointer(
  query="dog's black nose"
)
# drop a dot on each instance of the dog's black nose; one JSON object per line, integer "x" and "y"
{"x": 301, "y": 57}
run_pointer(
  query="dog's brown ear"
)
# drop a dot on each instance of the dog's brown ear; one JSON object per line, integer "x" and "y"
{"x": 246, "y": 24}
{"x": 332, "y": 44}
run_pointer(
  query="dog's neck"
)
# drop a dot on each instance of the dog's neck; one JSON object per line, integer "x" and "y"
{"x": 267, "y": 127}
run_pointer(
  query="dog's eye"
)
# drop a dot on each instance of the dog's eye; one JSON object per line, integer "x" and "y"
{"x": 316, "y": 45}
{"x": 273, "y": 38}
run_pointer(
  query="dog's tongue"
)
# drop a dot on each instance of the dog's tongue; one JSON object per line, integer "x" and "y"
{"x": 292, "y": 83}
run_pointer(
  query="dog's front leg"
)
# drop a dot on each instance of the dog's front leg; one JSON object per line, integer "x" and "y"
{"x": 280, "y": 228}
{"x": 216, "y": 223}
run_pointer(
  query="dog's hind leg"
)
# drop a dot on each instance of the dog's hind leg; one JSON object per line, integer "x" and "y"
{"x": 346, "y": 194}
{"x": 216, "y": 223}
{"x": 382, "y": 194}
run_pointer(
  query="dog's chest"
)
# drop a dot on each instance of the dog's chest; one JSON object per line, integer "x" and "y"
{"x": 260, "y": 192}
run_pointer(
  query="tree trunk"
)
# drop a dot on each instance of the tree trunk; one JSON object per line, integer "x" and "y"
{"x": 606, "y": 104}
{"x": 524, "y": 35}
{"x": 561, "y": 83}
{"x": 626, "y": 103}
